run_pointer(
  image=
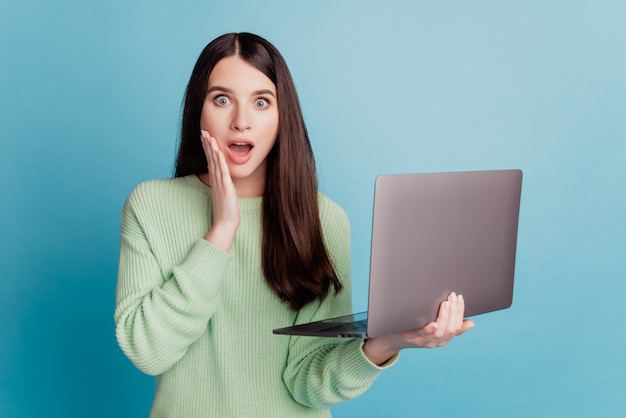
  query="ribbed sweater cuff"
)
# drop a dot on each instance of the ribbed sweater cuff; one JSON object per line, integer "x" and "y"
{"x": 362, "y": 368}
{"x": 386, "y": 365}
{"x": 204, "y": 267}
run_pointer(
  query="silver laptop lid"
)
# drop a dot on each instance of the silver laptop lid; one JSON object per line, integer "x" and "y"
{"x": 436, "y": 233}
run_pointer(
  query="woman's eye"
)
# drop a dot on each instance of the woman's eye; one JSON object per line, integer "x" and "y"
{"x": 222, "y": 100}
{"x": 261, "y": 103}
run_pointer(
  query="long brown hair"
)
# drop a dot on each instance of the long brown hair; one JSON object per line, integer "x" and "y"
{"x": 296, "y": 264}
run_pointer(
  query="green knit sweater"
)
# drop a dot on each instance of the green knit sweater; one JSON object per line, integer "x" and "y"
{"x": 201, "y": 319}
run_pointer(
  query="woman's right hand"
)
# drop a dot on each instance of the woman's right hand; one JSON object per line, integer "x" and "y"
{"x": 226, "y": 215}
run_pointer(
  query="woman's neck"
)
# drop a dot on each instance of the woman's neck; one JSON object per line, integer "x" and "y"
{"x": 245, "y": 188}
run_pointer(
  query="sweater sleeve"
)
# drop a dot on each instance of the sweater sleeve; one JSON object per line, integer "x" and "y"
{"x": 322, "y": 372}
{"x": 159, "y": 314}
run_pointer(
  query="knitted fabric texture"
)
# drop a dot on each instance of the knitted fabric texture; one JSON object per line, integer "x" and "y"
{"x": 201, "y": 320}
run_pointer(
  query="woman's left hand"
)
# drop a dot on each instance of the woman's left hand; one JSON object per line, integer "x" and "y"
{"x": 449, "y": 324}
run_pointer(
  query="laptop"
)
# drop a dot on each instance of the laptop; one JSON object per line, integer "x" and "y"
{"x": 433, "y": 234}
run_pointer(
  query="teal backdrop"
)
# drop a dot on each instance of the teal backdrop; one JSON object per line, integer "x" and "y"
{"x": 90, "y": 102}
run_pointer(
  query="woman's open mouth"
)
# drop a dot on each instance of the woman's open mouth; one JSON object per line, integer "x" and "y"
{"x": 239, "y": 152}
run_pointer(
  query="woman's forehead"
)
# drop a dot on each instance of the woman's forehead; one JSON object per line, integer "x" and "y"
{"x": 235, "y": 73}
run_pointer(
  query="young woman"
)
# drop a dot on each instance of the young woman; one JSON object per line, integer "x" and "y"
{"x": 238, "y": 243}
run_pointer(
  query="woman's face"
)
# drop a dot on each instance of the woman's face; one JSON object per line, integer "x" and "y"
{"x": 241, "y": 112}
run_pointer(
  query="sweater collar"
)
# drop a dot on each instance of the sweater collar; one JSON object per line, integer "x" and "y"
{"x": 247, "y": 203}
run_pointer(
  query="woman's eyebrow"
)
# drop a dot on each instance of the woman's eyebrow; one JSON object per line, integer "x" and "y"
{"x": 227, "y": 90}
{"x": 264, "y": 91}
{"x": 219, "y": 88}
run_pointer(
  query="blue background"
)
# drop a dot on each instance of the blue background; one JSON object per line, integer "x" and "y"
{"x": 90, "y": 105}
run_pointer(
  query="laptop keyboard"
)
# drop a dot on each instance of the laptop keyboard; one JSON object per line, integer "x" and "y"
{"x": 356, "y": 327}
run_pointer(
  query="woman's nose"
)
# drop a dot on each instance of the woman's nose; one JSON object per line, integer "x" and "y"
{"x": 240, "y": 119}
